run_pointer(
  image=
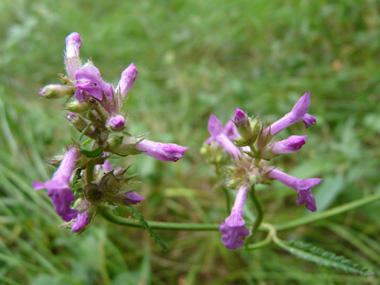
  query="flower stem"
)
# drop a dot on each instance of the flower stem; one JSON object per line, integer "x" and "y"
{"x": 90, "y": 171}
{"x": 259, "y": 217}
{"x": 266, "y": 241}
{"x": 329, "y": 213}
{"x": 156, "y": 225}
{"x": 228, "y": 200}
{"x": 264, "y": 227}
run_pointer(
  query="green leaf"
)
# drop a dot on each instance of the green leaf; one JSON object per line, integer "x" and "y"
{"x": 322, "y": 257}
{"x": 92, "y": 153}
{"x": 138, "y": 216}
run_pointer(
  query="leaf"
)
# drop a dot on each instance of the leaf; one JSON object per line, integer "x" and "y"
{"x": 92, "y": 153}
{"x": 322, "y": 257}
{"x": 138, "y": 216}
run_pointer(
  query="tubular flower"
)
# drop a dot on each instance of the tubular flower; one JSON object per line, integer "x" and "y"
{"x": 161, "y": 151}
{"x": 298, "y": 113}
{"x": 222, "y": 136}
{"x": 302, "y": 186}
{"x": 289, "y": 145}
{"x": 234, "y": 226}
{"x": 58, "y": 187}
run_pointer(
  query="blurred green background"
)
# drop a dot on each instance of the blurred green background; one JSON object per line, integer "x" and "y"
{"x": 194, "y": 58}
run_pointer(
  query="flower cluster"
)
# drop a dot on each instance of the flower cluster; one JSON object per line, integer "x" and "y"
{"x": 241, "y": 151}
{"x": 85, "y": 179}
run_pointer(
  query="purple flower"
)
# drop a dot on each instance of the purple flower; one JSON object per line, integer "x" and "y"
{"x": 128, "y": 77}
{"x": 116, "y": 123}
{"x": 72, "y": 60}
{"x": 91, "y": 84}
{"x": 83, "y": 218}
{"x": 162, "y": 151}
{"x": 298, "y": 113}
{"x": 58, "y": 187}
{"x": 133, "y": 198}
{"x": 302, "y": 186}
{"x": 289, "y": 145}
{"x": 223, "y": 136}
{"x": 234, "y": 226}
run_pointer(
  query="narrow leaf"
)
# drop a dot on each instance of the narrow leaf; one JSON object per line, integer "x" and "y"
{"x": 138, "y": 216}
{"x": 322, "y": 257}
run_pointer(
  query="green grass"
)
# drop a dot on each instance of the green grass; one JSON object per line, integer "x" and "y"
{"x": 194, "y": 58}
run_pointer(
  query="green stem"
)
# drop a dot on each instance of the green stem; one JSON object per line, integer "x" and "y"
{"x": 228, "y": 200}
{"x": 264, "y": 227}
{"x": 156, "y": 225}
{"x": 259, "y": 217}
{"x": 266, "y": 241}
{"x": 329, "y": 213}
{"x": 90, "y": 171}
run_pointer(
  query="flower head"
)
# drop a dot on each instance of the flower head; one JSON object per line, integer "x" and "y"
{"x": 58, "y": 187}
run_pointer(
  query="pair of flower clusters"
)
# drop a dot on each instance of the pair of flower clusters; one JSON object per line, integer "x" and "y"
{"x": 241, "y": 150}
{"x": 85, "y": 179}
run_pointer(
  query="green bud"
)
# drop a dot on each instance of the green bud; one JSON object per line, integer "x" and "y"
{"x": 232, "y": 183}
{"x": 93, "y": 194}
{"x": 255, "y": 128}
{"x": 122, "y": 145}
{"x": 109, "y": 183}
{"x": 77, "y": 107}
{"x": 55, "y": 91}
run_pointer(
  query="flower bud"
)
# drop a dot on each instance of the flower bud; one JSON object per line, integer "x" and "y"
{"x": 116, "y": 123}
{"x": 78, "y": 122}
{"x": 72, "y": 60}
{"x": 242, "y": 123}
{"x": 77, "y": 107}
{"x": 109, "y": 183}
{"x": 127, "y": 80}
{"x": 93, "y": 194}
{"x": 133, "y": 198}
{"x": 55, "y": 91}
{"x": 256, "y": 128}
